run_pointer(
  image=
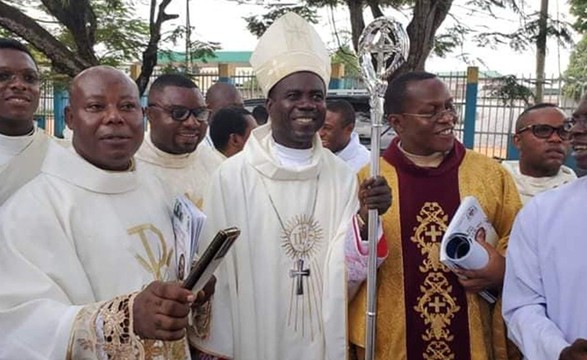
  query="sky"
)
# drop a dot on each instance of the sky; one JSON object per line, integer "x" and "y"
{"x": 222, "y": 21}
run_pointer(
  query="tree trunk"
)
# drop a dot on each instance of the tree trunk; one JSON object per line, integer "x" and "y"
{"x": 357, "y": 21}
{"x": 150, "y": 53}
{"x": 541, "y": 51}
{"x": 428, "y": 15}
{"x": 62, "y": 59}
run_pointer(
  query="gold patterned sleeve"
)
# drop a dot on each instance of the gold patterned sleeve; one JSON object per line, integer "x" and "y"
{"x": 105, "y": 330}
{"x": 508, "y": 208}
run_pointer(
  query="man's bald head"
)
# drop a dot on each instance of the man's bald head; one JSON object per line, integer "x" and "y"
{"x": 106, "y": 117}
{"x": 221, "y": 95}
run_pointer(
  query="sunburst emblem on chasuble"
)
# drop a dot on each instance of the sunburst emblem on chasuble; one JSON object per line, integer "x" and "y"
{"x": 301, "y": 237}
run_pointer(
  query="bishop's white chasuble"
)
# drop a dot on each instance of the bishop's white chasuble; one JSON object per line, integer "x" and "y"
{"x": 23, "y": 165}
{"x": 281, "y": 291}
{"x": 76, "y": 245}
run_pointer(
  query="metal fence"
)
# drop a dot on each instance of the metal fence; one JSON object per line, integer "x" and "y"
{"x": 500, "y": 99}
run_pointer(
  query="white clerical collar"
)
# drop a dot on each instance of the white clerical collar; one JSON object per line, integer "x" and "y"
{"x": 430, "y": 161}
{"x": 292, "y": 158}
{"x": 10, "y": 146}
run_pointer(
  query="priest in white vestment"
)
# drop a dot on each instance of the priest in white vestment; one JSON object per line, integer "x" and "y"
{"x": 543, "y": 142}
{"x": 22, "y": 144}
{"x": 87, "y": 250}
{"x": 172, "y": 149}
{"x": 338, "y": 135}
{"x": 282, "y": 289}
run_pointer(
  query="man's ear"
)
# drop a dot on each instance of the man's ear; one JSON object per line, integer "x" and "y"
{"x": 236, "y": 141}
{"x": 396, "y": 121}
{"x": 68, "y": 118}
{"x": 517, "y": 141}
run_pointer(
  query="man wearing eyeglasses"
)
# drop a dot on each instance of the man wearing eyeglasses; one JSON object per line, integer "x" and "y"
{"x": 543, "y": 302}
{"x": 22, "y": 145}
{"x": 178, "y": 120}
{"x": 543, "y": 140}
{"x": 425, "y": 311}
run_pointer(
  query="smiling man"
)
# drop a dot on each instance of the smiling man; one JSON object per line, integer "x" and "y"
{"x": 543, "y": 139}
{"x": 282, "y": 289}
{"x": 87, "y": 245}
{"x": 22, "y": 145}
{"x": 425, "y": 311}
{"x": 178, "y": 120}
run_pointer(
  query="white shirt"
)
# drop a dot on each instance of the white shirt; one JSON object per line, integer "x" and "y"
{"x": 545, "y": 282}
{"x": 355, "y": 154}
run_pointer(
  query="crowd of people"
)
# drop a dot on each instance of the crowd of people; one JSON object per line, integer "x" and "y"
{"x": 88, "y": 247}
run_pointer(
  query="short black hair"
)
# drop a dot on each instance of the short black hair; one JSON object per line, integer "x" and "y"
{"x": 174, "y": 79}
{"x": 8, "y": 43}
{"x": 520, "y": 120}
{"x": 395, "y": 95}
{"x": 343, "y": 108}
{"x": 226, "y": 121}
{"x": 260, "y": 114}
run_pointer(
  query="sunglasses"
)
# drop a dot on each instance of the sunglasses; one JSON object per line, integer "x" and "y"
{"x": 180, "y": 113}
{"x": 543, "y": 131}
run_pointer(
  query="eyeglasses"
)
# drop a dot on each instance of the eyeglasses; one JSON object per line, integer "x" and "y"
{"x": 180, "y": 113}
{"x": 452, "y": 111}
{"x": 543, "y": 131}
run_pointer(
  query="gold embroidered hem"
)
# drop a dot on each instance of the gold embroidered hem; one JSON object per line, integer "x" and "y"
{"x": 105, "y": 331}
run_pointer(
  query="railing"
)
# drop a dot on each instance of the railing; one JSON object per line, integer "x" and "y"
{"x": 499, "y": 101}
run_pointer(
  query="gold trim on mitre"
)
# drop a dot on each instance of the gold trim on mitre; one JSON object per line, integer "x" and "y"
{"x": 289, "y": 45}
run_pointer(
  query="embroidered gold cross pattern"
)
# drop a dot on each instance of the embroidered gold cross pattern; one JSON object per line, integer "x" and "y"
{"x": 437, "y": 304}
{"x": 433, "y": 233}
{"x": 299, "y": 272}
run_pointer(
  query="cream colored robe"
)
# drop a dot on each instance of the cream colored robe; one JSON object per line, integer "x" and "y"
{"x": 256, "y": 313}
{"x": 24, "y": 166}
{"x": 76, "y": 244}
{"x": 529, "y": 186}
{"x": 187, "y": 174}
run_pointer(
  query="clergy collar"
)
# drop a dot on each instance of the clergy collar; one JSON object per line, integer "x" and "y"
{"x": 292, "y": 158}
{"x": 152, "y": 154}
{"x": 428, "y": 161}
{"x": 68, "y": 166}
{"x": 394, "y": 155}
{"x": 259, "y": 152}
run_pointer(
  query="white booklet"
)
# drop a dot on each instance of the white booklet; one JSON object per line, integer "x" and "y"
{"x": 459, "y": 248}
{"x": 188, "y": 222}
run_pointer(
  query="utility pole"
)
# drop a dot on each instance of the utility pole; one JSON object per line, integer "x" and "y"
{"x": 541, "y": 50}
{"x": 188, "y": 36}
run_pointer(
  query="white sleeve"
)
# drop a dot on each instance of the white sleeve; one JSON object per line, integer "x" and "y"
{"x": 524, "y": 304}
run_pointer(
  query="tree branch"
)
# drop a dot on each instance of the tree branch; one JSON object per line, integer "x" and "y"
{"x": 150, "y": 53}
{"x": 62, "y": 59}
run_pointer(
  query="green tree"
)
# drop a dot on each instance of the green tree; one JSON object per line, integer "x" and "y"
{"x": 76, "y": 34}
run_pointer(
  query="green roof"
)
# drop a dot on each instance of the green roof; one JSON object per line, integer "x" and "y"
{"x": 226, "y": 57}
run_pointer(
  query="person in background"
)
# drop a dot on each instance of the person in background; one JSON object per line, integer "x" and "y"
{"x": 543, "y": 140}
{"x": 22, "y": 145}
{"x": 338, "y": 134}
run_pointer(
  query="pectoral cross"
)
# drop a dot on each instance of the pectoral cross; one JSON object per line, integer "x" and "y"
{"x": 298, "y": 272}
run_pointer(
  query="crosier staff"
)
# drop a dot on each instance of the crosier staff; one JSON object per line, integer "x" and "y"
{"x": 383, "y": 48}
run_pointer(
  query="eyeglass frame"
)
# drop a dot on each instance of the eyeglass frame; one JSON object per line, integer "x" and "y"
{"x": 437, "y": 115}
{"x": 195, "y": 112}
{"x": 565, "y": 127}
{"x": 573, "y": 121}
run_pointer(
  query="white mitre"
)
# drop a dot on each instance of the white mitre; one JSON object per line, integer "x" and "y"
{"x": 289, "y": 45}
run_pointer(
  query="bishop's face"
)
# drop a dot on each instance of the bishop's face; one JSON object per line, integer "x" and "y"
{"x": 106, "y": 118}
{"x": 297, "y": 108}
{"x": 19, "y": 92}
